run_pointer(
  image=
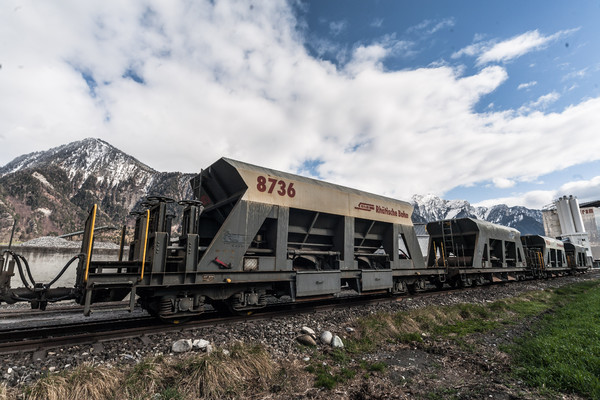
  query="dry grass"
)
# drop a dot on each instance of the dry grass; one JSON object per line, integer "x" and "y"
{"x": 3, "y": 392}
{"x": 84, "y": 382}
{"x": 246, "y": 371}
{"x": 144, "y": 378}
{"x": 218, "y": 376}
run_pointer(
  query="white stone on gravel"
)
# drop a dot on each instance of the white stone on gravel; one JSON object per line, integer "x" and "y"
{"x": 337, "y": 342}
{"x": 200, "y": 344}
{"x": 326, "y": 337}
{"x": 181, "y": 346}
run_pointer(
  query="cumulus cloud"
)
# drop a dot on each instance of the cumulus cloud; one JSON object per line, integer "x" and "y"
{"x": 179, "y": 85}
{"x": 503, "y": 183}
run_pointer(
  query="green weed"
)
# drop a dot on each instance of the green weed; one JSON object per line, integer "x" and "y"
{"x": 563, "y": 352}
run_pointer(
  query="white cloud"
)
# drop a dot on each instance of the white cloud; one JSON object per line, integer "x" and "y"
{"x": 541, "y": 103}
{"x": 536, "y": 199}
{"x": 492, "y": 51}
{"x": 377, "y": 23}
{"x": 526, "y": 85}
{"x": 337, "y": 27}
{"x": 584, "y": 190}
{"x": 445, "y": 23}
{"x": 576, "y": 74}
{"x": 503, "y": 183}
{"x": 226, "y": 79}
{"x": 429, "y": 27}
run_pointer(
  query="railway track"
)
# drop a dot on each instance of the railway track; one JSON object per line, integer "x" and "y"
{"x": 44, "y": 338}
{"x": 41, "y": 339}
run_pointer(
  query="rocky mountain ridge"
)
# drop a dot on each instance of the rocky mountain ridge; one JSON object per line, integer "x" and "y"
{"x": 431, "y": 208}
{"x": 51, "y": 192}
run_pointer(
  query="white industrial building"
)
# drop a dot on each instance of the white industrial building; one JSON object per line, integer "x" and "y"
{"x": 569, "y": 220}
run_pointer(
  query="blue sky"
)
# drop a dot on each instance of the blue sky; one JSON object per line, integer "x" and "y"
{"x": 491, "y": 102}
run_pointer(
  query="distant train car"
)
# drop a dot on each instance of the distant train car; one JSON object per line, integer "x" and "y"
{"x": 254, "y": 232}
{"x": 545, "y": 256}
{"x": 577, "y": 258}
{"x": 475, "y": 251}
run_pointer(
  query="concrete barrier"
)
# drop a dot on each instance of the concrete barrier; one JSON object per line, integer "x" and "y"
{"x": 47, "y": 262}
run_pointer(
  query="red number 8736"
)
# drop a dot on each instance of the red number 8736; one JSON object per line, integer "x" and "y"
{"x": 269, "y": 184}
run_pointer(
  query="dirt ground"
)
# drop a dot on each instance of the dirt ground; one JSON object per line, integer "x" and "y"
{"x": 472, "y": 367}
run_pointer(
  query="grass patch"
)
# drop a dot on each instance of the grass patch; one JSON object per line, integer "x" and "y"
{"x": 145, "y": 377}
{"x": 563, "y": 352}
{"x": 248, "y": 369}
{"x": 443, "y": 394}
{"x": 328, "y": 377}
{"x": 84, "y": 382}
{"x": 217, "y": 375}
{"x": 410, "y": 337}
{"x": 455, "y": 322}
{"x": 373, "y": 367}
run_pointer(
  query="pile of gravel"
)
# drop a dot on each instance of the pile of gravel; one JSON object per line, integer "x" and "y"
{"x": 53, "y": 241}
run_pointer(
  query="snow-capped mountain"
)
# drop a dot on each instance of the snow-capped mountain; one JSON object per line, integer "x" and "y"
{"x": 85, "y": 158}
{"x": 431, "y": 208}
{"x": 51, "y": 191}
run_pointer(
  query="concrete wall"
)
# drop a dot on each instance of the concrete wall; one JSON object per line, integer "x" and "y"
{"x": 591, "y": 223}
{"x": 47, "y": 262}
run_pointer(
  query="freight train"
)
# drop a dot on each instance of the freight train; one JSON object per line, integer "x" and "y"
{"x": 253, "y": 232}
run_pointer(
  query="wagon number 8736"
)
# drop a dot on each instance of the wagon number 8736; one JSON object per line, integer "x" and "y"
{"x": 271, "y": 184}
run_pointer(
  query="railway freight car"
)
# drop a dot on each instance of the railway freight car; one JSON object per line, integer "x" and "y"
{"x": 577, "y": 258}
{"x": 475, "y": 251}
{"x": 254, "y": 232}
{"x": 547, "y": 256}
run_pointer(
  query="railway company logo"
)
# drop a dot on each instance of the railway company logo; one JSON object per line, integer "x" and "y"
{"x": 365, "y": 207}
{"x": 381, "y": 210}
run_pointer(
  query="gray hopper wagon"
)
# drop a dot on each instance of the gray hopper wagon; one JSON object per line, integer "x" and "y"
{"x": 475, "y": 251}
{"x": 577, "y": 258}
{"x": 547, "y": 256}
{"x": 254, "y": 232}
